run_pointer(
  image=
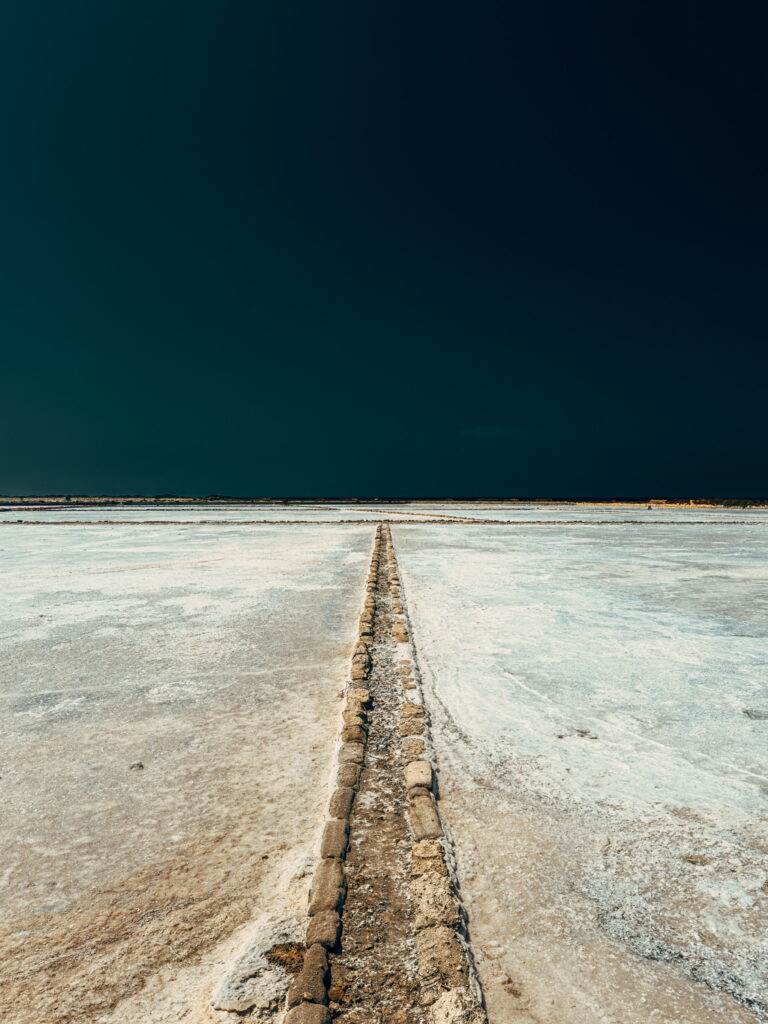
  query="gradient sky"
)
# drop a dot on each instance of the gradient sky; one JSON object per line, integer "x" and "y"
{"x": 383, "y": 248}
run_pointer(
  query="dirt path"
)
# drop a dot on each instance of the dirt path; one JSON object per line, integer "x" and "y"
{"x": 403, "y": 956}
{"x": 374, "y": 978}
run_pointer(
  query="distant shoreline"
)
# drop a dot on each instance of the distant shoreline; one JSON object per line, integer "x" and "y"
{"x": 84, "y": 501}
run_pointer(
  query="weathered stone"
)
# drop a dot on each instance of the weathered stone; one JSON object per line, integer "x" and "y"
{"x": 353, "y": 734}
{"x": 359, "y": 670}
{"x": 435, "y": 900}
{"x": 360, "y": 648}
{"x": 355, "y": 707}
{"x": 400, "y": 633}
{"x": 440, "y": 958}
{"x": 411, "y": 726}
{"x": 324, "y": 928}
{"x": 308, "y": 1013}
{"x": 354, "y": 718}
{"x": 341, "y": 802}
{"x": 409, "y": 709}
{"x": 459, "y": 1006}
{"x": 427, "y": 855}
{"x": 348, "y": 775}
{"x": 418, "y": 791}
{"x": 404, "y": 669}
{"x": 423, "y": 818}
{"x": 334, "y": 843}
{"x": 359, "y": 693}
{"x": 413, "y": 747}
{"x": 328, "y": 887}
{"x": 309, "y": 984}
{"x": 354, "y": 752}
{"x": 408, "y": 684}
{"x": 397, "y": 608}
{"x": 418, "y": 773}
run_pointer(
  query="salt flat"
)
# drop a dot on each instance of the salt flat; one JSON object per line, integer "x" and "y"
{"x": 188, "y": 513}
{"x": 513, "y": 512}
{"x": 599, "y": 711}
{"x": 516, "y": 512}
{"x": 212, "y": 657}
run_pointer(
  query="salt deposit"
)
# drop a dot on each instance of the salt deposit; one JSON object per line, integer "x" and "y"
{"x": 597, "y": 696}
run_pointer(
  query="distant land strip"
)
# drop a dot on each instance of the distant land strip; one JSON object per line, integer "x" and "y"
{"x": 437, "y": 521}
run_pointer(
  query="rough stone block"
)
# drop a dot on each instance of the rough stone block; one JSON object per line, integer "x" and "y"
{"x": 360, "y": 693}
{"x": 354, "y": 752}
{"x": 355, "y": 707}
{"x": 435, "y": 900}
{"x": 413, "y": 747}
{"x": 348, "y": 775}
{"x": 440, "y": 958}
{"x": 325, "y": 928}
{"x": 418, "y": 791}
{"x": 308, "y": 1013}
{"x": 424, "y": 819}
{"x": 427, "y": 855}
{"x": 341, "y": 802}
{"x": 353, "y": 734}
{"x": 418, "y": 773}
{"x": 409, "y": 709}
{"x": 309, "y": 984}
{"x": 334, "y": 842}
{"x": 411, "y": 726}
{"x": 354, "y": 718}
{"x": 328, "y": 887}
{"x": 458, "y": 1006}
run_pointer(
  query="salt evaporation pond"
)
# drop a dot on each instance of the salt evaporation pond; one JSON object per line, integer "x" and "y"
{"x": 516, "y": 512}
{"x": 211, "y": 657}
{"x": 600, "y": 714}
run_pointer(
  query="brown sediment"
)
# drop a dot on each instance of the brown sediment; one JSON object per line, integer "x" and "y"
{"x": 106, "y": 944}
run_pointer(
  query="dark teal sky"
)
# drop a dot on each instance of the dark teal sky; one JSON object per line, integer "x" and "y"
{"x": 389, "y": 248}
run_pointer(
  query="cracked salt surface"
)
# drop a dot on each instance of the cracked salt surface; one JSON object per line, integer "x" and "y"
{"x": 607, "y": 788}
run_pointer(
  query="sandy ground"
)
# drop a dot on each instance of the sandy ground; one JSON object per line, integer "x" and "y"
{"x": 606, "y": 789}
{"x": 215, "y": 661}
